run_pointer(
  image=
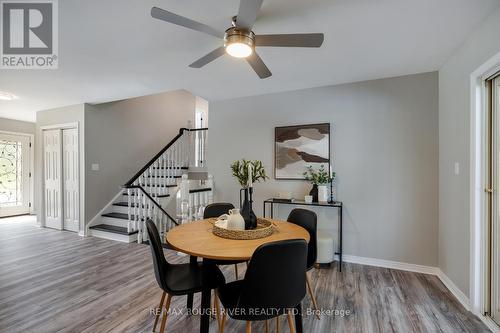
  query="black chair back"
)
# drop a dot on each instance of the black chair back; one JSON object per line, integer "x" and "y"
{"x": 159, "y": 262}
{"x": 217, "y": 209}
{"x": 275, "y": 279}
{"x": 307, "y": 220}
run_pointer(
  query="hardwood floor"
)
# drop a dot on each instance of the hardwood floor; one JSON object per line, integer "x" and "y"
{"x": 52, "y": 281}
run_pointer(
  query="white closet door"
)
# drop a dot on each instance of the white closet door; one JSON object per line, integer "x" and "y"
{"x": 71, "y": 200}
{"x": 52, "y": 178}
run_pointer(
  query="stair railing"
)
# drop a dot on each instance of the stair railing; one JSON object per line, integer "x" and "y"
{"x": 155, "y": 180}
{"x": 193, "y": 201}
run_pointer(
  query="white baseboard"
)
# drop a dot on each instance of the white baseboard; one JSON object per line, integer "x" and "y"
{"x": 390, "y": 264}
{"x": 462, "y": 298}
{"x": 494, "y": 328}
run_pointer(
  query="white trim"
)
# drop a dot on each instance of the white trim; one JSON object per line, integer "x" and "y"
{"x": 462, "y": 298}
{"x": 459, "y": 295}
{"x": 107, "y": 209}
{"x": 81, "y": 227}
{"x": 490, "y": 323}
{"x": 32, "y": 178}
{"x": 477, "y": 176}
{"x": 60, "y": 126}
{"x": 390, "y": 264}
{"x": 31, "y": 166}
{"x": 113, "y": 236}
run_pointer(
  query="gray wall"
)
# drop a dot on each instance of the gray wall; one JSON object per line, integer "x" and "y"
{"x": 10, "y": 125}
{"x": 122, "y": 136}
{"x": 384, "y": 149}
{"x": 454, "y": 146}
{"x": 68, "y": 114}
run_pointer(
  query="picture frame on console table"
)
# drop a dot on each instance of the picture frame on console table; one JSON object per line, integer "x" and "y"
{"x": 299, "y": 146}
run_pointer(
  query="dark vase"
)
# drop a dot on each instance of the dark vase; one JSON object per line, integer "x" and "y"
{"x": 247, "y": 211}
{"x": 314, "y": 193}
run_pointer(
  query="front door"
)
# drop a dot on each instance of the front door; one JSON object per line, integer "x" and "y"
{"x": 14, "y": 174}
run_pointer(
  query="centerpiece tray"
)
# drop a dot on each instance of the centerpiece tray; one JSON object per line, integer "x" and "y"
{"x": 264, "y": 229}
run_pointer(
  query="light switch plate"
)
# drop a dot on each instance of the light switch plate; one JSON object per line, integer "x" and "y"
{"x": 95, "y": 167}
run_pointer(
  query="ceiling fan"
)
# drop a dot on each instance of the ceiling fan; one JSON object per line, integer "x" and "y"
{"x": 239, "y": 39}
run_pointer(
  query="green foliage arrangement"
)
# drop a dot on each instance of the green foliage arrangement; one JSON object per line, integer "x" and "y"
{"x": 240, "y": 171}
{"x": 319, "y": 177}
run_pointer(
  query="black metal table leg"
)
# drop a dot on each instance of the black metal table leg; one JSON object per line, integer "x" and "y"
{"x": 264, "y": 209}
{"x": 205, "y": 305}
{"x": 340, "y": 239}
{"x": 272, "y": 210}
{"x": 192, "y": 260}
{"x": 298, "y": 318}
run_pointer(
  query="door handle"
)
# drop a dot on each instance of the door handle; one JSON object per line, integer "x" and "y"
{"x": 488, "y": 190}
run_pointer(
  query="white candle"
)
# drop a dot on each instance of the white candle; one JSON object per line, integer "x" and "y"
{"x": 331, "y": 172}
{"x": 249, "y": 175}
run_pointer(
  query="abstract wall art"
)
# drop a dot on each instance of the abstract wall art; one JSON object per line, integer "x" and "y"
{"x": 297, "y": 147}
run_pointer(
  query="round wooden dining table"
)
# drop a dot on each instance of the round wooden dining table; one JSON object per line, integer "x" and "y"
{"x": 197, "y": 240}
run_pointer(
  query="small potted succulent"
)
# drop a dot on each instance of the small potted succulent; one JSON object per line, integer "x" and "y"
{"x": 318, "y": 178}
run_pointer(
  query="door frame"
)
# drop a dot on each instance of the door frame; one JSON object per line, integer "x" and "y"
{"x": 478, "y": 196}
{"x": 42, "y": 201}
{"x": 493, "y": 232}
{"x": 31, "y": 168}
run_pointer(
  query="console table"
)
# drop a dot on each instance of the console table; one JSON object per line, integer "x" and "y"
{"x": 335, "y": 204}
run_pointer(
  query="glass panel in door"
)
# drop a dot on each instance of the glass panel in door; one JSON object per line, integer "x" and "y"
{"x": 14, "y": 175}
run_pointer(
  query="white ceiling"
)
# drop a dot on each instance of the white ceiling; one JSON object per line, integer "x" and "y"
{"x": 113, "y": 49}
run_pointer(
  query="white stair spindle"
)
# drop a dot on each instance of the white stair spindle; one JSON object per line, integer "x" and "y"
{"x": 129, "y": 211}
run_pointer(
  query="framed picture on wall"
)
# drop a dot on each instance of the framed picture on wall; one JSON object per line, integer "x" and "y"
{"x": 297, "y": 147}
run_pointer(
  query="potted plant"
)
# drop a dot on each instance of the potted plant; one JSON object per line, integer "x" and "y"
{"x": 319, "y": 178}
{"x": 248, "y": 172}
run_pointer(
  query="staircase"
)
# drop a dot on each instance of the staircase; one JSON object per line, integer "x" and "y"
{"x": 172, "y": 188}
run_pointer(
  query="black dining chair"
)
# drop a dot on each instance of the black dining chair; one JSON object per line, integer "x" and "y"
{"x": 308, "y": 220}
{"x": 274, "y": 284}
{"x": 216, "y": 210}
{"x": 178, "y": 279}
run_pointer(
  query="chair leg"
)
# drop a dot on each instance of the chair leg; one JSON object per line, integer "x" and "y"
{"x": 213, "y": 309}
{"x": 217, "y": 308}
{"x": 159, "y": 311}
{"x": 223, "y": 323}
{"x": 165, "y": 314}
{"x": 249, "y": 327}
{"x": 311, "y": 293}
{"x": 267, "y": 326}
{"x": 278, "y": 324}
{"x": 236, "y": 270}
{"x": 290, "y": 322}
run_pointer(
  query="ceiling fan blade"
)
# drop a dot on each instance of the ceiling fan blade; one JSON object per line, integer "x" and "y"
{"x": 259, "y": 66}
{"x": 290, "y": 40}
{"x": 167, "y": 16}
{"x": 247, "y": 14}
{"x": 218, "y": 52}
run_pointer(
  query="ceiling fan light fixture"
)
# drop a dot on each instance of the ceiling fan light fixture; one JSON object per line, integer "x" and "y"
{"x": 239, "y": 44}
{"x": 239, "y": 50}
{"x": 6, "y": 96}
